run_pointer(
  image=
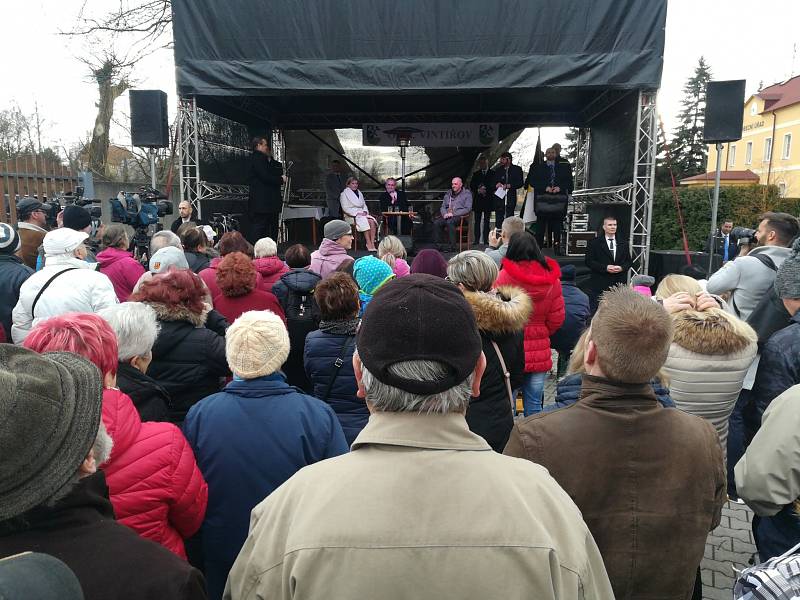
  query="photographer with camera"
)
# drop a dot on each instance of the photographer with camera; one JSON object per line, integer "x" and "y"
{"x": 748, "y": 277}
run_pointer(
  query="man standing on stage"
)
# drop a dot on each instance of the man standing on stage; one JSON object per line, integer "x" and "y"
{"x": 483, "y": 201}
{"x": 334, "y": 185}
{"x": 265, "y": 178}
{"x": 608, "y": 260}
{"x": 509, "y": 177}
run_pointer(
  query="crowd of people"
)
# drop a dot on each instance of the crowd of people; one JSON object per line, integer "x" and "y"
{"x": 226, "y": 423}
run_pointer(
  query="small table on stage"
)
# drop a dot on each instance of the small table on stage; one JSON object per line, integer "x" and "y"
{"x": 388, "y": 215}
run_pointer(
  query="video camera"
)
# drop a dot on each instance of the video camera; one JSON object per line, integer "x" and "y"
{"x": 141, "y": 211}
{"x": 743, "y": 235}
{"x": 56, "y": 205}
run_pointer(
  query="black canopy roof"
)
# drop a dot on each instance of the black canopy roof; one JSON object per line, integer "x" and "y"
{"x": 340, "y": 63}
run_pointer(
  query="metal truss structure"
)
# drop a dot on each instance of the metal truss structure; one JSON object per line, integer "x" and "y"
{"x": 189, "y": 153}
{"x": 614, "y": 194}
{"x": 644, "y": 171}
{"x": 584, "y": 148}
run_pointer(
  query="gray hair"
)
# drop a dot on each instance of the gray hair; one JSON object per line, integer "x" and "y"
{"x": 386, "y": 398}
{"x": 473, "y": 269}
{"x": 162, "y": 239}
{"x": 136, "y": 327}
{"x": 512, "y": 225}
{"x": 265, "y": 247}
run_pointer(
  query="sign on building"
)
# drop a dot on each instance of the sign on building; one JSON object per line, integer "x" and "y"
{"x": 430, "y": 134}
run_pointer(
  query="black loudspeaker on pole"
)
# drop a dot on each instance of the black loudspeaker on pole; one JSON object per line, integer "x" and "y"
{"x": 149, "y": 119}
{"x": 723, "y": 123}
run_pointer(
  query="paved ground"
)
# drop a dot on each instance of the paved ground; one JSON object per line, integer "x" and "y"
{"x": 729, "y": 545}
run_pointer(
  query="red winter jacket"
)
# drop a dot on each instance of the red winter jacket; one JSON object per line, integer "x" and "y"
{"x": 270, "y": 268}
{"x": 122, "y": 269}
{"x": 232, "y": 307}
{"x": 153, "y": 480}
{"x": 544, "y": 289}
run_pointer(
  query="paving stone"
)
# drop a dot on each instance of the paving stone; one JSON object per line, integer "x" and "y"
{"x": 723, "y": 582}
{"x": 711, "y": 593}
{"x": 739, "y": 559}
{"x": 720, "y": 542}
{"x": 718, "y": 566}
{"x": 725, "y": 521}
{"x": 735, "y": 534}
{"x": 740, "y": 546}
{"x": 707, "y": 577}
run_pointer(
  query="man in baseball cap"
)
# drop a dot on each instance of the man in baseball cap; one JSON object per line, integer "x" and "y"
{"x": 421, "y": 507}
{"x": 31, "y": 221}
{"x": 54, "y": 499}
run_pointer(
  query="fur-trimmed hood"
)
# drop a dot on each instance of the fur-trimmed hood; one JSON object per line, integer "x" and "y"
{"x": 712, "y": 332}
{"x": 165, "y": 312}
{"x": 503, "y": 310}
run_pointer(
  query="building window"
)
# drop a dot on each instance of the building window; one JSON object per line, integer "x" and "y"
{"x": 782, "y": 189}
{"x": 767, "y": 149}
{"x": 754, "y": 109}
{"x": 731, "y": 155}
{"x": 748, "y": 153}
{"x": 787, "y": 146}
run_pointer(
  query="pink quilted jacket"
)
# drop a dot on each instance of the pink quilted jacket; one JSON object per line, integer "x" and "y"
{"x": 544, "y": 289}
{"x": 155, "y": 485}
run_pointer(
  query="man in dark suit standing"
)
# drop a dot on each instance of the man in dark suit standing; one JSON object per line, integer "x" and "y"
{"x": 608, "y": 260}
{"x": 483, "y": 201}
{"x": 264, "y": 204}
{"x": 552, "y": 184}
{"x": 724, "y": 244}
{"x": 394, "y": 200}
{"x": 509, "y": 176}
{"x": 334, "y": 185}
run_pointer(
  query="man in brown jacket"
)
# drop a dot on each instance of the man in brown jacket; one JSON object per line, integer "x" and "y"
{"x": 31, "y": 220}
{"x": 649, "y": 481}
{"x": 421, "y": 507}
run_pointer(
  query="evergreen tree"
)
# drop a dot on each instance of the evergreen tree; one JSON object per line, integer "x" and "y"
{"x": 689, "y": 153}
{"x": 571, "y": 152}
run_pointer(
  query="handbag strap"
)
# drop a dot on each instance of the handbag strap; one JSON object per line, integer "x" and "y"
{"x": 45, "y": 286}
{"x": 338, "y": 367}
{"x": 506, "y": 376}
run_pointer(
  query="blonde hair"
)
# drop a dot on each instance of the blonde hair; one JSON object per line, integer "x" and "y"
{"x": 633, "y": 335}
{"x": 390, "y": 249}
{"x": 673, "y": 284}
{"x": 473, "y": 269}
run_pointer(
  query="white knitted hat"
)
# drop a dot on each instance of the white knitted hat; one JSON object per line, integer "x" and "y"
{"x": 257, "y": 344}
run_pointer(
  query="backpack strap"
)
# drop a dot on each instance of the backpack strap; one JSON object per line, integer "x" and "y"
{"x": 767, "y": 261}
{"x": 45, "y": 286}
{"x": 506, "y": 377}
{"x": 337, "y": 367}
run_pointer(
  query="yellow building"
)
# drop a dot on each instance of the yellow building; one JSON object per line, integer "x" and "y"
{"x": 770, "y": 132}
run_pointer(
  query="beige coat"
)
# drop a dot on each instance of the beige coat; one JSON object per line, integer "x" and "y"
{"x": 706, "y": 365}
{"x": 768, "y": 475}
{"x": 420, "y": 509}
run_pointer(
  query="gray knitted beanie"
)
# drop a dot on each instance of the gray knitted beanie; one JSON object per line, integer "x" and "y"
{"x": 787, "y": 281}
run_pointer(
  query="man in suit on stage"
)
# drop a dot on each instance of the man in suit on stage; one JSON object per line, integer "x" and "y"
{"x": 608, "y": 259}
{"x": 264, "y": 204}
{"x": 394, "y": 200}
{"x": 509, "y": 176}
{"x": 725, "y": 245}
{"x": 334, "y": 185}
{"x": 484, "y": 202}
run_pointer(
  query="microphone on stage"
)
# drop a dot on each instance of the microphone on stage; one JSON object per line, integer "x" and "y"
{"x": 289, "y": 165}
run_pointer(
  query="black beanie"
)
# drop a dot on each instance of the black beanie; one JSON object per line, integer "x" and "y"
{"x": 76, "y": 217}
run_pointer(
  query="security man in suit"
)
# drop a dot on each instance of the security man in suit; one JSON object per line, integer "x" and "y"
{"x": 608, "y": 259}
{"x": 724, "y": 244}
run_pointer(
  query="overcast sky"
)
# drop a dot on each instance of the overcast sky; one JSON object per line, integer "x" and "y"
{"x": 740, "y": 39}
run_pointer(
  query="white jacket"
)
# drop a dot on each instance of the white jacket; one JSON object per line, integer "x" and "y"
{"x": 83, "y": 290}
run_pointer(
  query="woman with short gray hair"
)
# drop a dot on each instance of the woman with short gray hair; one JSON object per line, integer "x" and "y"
{"x": 501, "y": 315}
{"x": 136, "y": 327}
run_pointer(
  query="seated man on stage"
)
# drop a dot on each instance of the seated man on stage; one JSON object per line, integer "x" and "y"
{"x": 355, "y": 211}
{"x": 552, "y": 184}
{"x": 394, "y": 200}
{"x": 457, "y": 203}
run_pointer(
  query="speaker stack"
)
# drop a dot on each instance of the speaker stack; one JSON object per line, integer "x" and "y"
{"x": 149, "y": 119}
{"x": 724, "y": 113}
{"x": 578, "y": 235}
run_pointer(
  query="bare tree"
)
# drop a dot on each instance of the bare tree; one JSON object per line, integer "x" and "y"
{"x": 146, "y": 23}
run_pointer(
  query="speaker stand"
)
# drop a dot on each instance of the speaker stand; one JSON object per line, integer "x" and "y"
{"x": 714, "y": 209}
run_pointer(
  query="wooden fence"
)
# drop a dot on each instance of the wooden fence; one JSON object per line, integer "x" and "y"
{"x": 31, "y": 175}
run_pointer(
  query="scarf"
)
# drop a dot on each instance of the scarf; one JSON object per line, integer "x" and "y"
{"x": 344, "y": 327}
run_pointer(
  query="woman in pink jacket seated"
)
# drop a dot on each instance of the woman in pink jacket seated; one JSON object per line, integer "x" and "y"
{"x": 267, "y": 263}
{"x": 117, "y": 263}
{"x": 153, "y": 480}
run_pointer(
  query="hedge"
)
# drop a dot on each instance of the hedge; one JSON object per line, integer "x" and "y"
{"x": 740, "y": 204}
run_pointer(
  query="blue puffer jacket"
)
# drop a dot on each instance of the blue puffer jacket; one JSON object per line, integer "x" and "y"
{"x": 568, "y": 391}
{"x": 249, "y": 439}
{"x": 321, "y": 351}
{"x": 577, "y": 313}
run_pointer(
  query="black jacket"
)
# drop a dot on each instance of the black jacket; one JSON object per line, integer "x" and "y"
{"x": 515, "y": 177}
{"x": 110, "y": 560}
{"x": 779, "y": 367}
{"x": 188, "y": 359}
{"x": 478, "y": 179}
{"x": 13, "y": 273}
{"x": 265, "y": 179}
{"x": 576, "y": 319}
{"x": 719, "y": 248}
{"x": 402, "y": 201}
{"x": 501, "y": 318}
{"x": 197, "y": 261}
{"x": 598, "y": 257}
{"x": 539, "y": 177}
{"x": 150, "y": 399}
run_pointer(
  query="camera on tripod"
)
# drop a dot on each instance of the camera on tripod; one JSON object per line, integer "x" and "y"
{"x": 141, "y": 211}
{"x": 56, "y": 205}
